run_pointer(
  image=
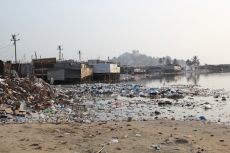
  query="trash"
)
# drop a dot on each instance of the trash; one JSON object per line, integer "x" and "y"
{"x": 113, "y": 141}
{"x": 101, "y": 102}
{"x": 138, "y": 135}
{"x": 157, "y": 147}
{"x": 202, "y": 118}
{"x": 125, "y": 136}
{"x": 207, "y": 106}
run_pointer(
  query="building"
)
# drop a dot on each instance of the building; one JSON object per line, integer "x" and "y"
{"x": 171, "y": 68}
{"x": 136, "y": 52}
{"x": 69, "y": 71}
{"x": 103, "y": 70}
{"x": 41, "y": 66}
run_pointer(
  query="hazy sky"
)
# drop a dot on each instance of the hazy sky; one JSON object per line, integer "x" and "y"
{"x": 102, "y": 28}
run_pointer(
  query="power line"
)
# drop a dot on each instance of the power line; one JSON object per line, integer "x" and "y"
{"x": 19, "y": 53}
{"x": 5, "y": 55}
{"x": 5, "y": 46}
{"x": 3, "y": 50}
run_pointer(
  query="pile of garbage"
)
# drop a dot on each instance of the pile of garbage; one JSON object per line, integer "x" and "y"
{"x": 32, "y": 100}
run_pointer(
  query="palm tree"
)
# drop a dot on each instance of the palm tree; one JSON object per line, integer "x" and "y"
{"x": 195, "y": 60}
{"x": 175, "y": 62}
{"x": 160, "y": 61}
{"x": 189, "y": 63}
{"x": 163, "y": 60}
{"x": 168, "y": 61}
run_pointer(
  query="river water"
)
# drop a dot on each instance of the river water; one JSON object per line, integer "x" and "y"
{"x": 220, "y": 109}
{"x": 209, "y": 80}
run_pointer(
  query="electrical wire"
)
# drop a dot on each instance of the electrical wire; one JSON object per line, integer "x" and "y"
{"x": 19, "y": 52}
{"x": 6, "y": 46}
{"x": 3, "y": 56}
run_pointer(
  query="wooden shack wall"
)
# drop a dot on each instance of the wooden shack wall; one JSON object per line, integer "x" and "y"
{"x": 1, "y": 67}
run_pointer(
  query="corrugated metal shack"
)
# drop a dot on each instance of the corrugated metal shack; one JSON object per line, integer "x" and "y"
{"x": 103, "y": 70}
{"x": 69, "y": 71}
{"x": 41, "y": 66}
{"x": 25, "y": 69}
{"x": 1, "y": 67}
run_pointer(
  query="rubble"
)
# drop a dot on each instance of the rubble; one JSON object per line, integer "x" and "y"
{"x": 31, "y": 100}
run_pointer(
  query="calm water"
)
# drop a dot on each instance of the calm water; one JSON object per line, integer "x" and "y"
{"x": 212, "y": 80}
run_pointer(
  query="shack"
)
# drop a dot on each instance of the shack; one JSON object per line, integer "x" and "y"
{"x": 41, "y": 66}
{"x": 105, "y": 70}
{"x": 65, "y": 71}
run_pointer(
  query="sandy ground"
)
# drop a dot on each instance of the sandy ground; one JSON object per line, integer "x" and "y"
{"x": 133, "y": 137}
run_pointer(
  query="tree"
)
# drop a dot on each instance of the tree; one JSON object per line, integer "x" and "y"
{"x": 163, "y": 59}
{"x": 175, "y": 62}
{"x": 195, "y": 60}
{"x": 168, "y": 61}
{"x": 160, "y": 61}
{"x": 189, "y": 63}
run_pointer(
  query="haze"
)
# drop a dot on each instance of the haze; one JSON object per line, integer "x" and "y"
{"x": 176, "y": 28}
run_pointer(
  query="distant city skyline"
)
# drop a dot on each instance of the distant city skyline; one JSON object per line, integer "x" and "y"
{"x": 157, "y": 28}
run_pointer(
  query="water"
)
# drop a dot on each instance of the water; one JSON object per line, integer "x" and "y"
{"x": 220, "y": 109}
{"x": 211, "y": 80}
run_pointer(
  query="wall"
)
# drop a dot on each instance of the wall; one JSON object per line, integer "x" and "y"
{"x": 56, "y": 74}
{"x": 114, "y": 68}
{"x": 101, "y": 68}
{"x": 106, "y": 68}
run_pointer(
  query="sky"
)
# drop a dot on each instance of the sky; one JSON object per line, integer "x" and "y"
{"x": 180, "y": 29}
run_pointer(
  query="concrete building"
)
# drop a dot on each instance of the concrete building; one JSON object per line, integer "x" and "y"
{"x": 103, "y": 70}
{"x": 136, "y": 52}
{"x": 69, "y": 71}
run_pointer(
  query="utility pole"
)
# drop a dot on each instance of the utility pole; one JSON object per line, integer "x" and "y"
{"x": 59, "y": 48}
{"x": 24, "y": 58}
{"x": 35, "y": 54}
{"x": 79, "y": 55}
{"x": 15, "y": 40}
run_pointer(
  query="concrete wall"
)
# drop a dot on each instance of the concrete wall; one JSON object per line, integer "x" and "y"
{"x": 114, "y": 68}
{"x": 56, "y": 74}
{"x": 106, "y": 68}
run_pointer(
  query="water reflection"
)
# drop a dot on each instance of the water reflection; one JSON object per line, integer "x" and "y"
{"x": 206, "y": 80}
{"x": 194, "y": 77}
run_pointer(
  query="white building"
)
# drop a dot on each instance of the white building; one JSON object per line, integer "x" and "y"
{"x": 100, "y": 66}
{"x": 136, "y": 52}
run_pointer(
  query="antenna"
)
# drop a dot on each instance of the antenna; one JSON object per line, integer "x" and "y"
{"x": 35, "y": 54}
{"x": 59, "y": 48}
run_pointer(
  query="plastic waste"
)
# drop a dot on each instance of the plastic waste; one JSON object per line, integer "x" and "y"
{"x": 202, "y": 118}
{"x": 138, "y": 135}
{"x": 113, "y": 141}
{"x": 157, "y": 147}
